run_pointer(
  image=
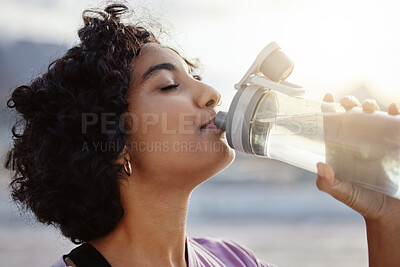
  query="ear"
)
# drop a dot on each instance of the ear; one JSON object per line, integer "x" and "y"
{"x": 123, "y": 156}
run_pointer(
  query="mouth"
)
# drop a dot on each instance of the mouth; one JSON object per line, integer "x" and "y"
{"x": 209, "y": 124}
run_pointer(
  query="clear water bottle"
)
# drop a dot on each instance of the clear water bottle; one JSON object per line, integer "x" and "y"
{"x": 270, "y": 117}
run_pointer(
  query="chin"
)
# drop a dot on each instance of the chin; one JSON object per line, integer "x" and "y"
{"x": 220, "y": 160}
{"x": 203, "y": 162}
{"x": 228, "y": 157}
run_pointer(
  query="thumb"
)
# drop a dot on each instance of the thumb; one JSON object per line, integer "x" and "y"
{"x": 340, "y": 190}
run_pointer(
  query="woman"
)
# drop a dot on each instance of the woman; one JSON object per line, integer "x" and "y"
{"x": 115, "y": 136}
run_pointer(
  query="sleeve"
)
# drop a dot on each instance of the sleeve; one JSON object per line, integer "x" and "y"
{"x": 231, "y": 253}
{"x": 247, "y": 253}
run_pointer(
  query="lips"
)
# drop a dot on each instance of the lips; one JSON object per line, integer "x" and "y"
{"x": 209, "y": 124}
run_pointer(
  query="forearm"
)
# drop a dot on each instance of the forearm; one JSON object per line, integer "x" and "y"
{"x": 383, "y": 242}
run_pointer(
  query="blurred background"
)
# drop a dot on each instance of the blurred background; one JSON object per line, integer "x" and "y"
{"x": 342, "y": 47}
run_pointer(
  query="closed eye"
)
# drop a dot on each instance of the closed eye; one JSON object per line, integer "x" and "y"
{"x": 170, "y": 87}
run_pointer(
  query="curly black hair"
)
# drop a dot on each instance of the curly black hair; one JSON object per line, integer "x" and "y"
{"x": 65, "y": 185}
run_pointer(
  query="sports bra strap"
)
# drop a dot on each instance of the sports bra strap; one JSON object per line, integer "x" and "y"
{"x": 87, "y": 256}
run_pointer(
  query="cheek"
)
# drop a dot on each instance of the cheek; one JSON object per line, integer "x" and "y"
{"x": 165, "y": 132}
{"x": 167, "y": 117}
{"x": 161, "y": 123}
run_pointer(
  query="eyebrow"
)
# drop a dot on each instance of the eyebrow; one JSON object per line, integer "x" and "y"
{"x": 153, "y": 69}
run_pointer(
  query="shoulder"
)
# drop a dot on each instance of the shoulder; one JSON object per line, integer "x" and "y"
{"x": 227, "y": 251}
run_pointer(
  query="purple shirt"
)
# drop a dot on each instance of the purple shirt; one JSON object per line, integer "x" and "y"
{"x": 213, "y": 252}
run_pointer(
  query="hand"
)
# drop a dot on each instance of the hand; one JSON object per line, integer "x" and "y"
{"x": 370, "y": 204}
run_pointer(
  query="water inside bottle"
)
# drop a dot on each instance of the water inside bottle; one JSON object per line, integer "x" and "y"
{"x": 361, "y": 148}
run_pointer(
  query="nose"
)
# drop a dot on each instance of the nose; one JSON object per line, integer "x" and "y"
{"x": 207, "y": 96}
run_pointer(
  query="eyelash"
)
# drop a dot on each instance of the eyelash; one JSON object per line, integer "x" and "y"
{"x": 170, "y": 87}
{"x": 174, "y": 86}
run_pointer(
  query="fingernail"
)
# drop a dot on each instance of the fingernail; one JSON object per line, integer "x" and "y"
{"x": 320, "y": 170}
{"x": 393, "y": 109}
{"x": 329, "y": 98}
{"x": 370, "y": 105}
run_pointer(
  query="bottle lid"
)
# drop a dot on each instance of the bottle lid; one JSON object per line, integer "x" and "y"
{"x": 270, "y": 69}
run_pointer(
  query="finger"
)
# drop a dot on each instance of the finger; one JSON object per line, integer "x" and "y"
{"x": 329, "y": 98}
{"x": 370, "y": 105}
{"x": 323, "y": 179}
{"x": 349, "y": 102}
{"x": 326, "y": 182}
{"x": 393, "y": 109}
{"x": 366, "y": 202}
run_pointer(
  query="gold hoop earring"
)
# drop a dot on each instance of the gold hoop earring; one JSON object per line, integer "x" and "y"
{"x": 128, "y": 170}
{"x": 219, "y": 103}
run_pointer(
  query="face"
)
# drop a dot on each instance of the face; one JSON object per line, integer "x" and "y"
{"x": 174, "y": 140}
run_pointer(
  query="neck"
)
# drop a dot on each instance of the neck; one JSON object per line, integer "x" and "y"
{"x": 152, "y": 231}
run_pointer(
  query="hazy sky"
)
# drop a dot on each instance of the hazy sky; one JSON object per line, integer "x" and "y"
{"x": 336, "y": 45}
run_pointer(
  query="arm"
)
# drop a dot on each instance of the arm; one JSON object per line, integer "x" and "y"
{"x": 383, "y": 242}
